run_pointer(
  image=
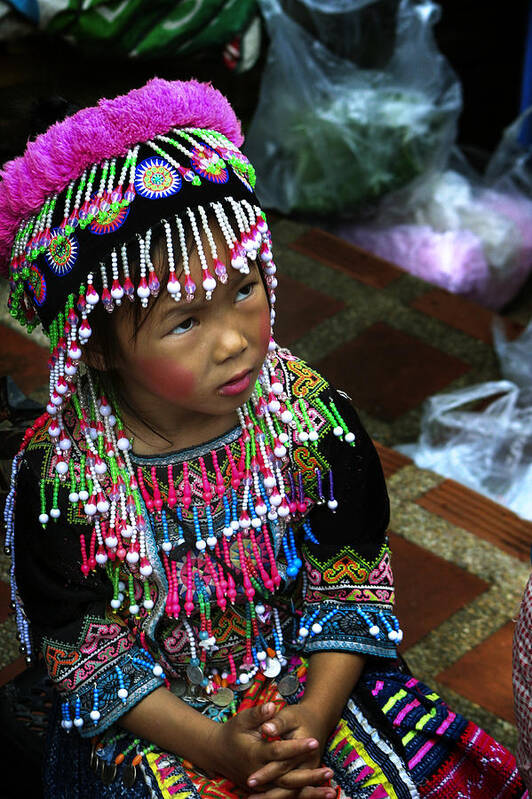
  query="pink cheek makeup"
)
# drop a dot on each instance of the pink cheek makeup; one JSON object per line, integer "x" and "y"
{"x": 168, "y": 379}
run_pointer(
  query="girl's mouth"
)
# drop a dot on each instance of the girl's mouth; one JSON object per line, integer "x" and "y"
{"x": 236, "y": 385}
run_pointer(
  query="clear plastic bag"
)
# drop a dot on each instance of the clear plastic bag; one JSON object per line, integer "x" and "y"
{"x": 488, "y": 449}
{"x": 340, "y": 123}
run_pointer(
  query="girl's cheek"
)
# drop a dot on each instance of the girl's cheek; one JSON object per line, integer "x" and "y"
{"x": 167, "y": 379}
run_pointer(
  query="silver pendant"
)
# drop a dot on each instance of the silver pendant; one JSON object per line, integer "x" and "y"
{"x": 288, "y": 685}
{"x": 222, "y": 698}
{"x": 178, "y": 687}
{"x": 108, "y": 773}
{"x": 273, "y": 667}
{"x": 194, "y": 674}
{"x": 129, "y": 776}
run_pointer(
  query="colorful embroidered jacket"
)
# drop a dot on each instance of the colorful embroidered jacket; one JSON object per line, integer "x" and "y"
{"x": 317, "y": 578}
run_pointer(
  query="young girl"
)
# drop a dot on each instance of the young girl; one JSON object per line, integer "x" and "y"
{"x": 198, "y": 521}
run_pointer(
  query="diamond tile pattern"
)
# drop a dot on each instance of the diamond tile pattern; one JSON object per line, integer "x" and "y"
{"x": 460, "y": 313}
{"x": 388, "y": 372}
{"x": 484, "y": 674}
{"x": 299, "y": 308}
{"x": 23, "y": 360}
{"x": 479, "y": 515}
{"x": 345, "y": 257}
{"x": 429, "y": 589}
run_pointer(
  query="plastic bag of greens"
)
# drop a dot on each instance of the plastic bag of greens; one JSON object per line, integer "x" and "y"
{"x": 355, "y": 101}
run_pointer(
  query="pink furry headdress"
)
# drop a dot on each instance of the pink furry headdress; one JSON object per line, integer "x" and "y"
{"x": 93, "y": 134}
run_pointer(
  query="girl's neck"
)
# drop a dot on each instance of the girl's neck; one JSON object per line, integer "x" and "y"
{"x": 154, "y": 439}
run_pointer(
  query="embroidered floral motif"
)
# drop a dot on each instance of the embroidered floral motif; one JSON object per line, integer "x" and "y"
{"x": 62, "y": 252}
{"x": 155, "y": 178}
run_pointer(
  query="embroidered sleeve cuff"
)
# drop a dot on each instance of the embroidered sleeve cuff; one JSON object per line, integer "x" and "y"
{"x": 99, "y": 702}
{"x": 333, "y": 626}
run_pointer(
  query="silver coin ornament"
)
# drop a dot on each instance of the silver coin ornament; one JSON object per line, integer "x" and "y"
{"x": 194, "y": 674}
{"x": 288, "y": 685}
{"x": 129, "y": 776}
{"x": 273, "y": 667}
{"x": 108, "y": 773}
{"x": 178, "y": 687}
{"x": 223, "y": 697}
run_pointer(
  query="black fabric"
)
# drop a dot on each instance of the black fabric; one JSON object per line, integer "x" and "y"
{"x": 143, "y": 215}
{"x": 56, "y": 595}
{"x": 363, "y": 512}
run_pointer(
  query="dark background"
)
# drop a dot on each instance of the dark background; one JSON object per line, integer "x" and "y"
{"x": 483, "y": 40}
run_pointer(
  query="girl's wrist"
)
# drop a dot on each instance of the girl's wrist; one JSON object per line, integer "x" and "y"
{"x": 214, "y": 748}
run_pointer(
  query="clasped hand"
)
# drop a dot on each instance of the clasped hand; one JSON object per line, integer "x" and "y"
{"x": 285, "y": 768}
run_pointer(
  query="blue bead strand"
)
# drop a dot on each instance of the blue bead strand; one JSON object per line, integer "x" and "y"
{"x": 211, "y": 538}
{"x": 332, "y": 503}
{"x": 166, "y": 546}
{"x": 66, "y": 721}
{"x": 95, "y": 713}
{"x": 78, "y": 721}
{"x": 373, "y": 629}
{"x": 122, "y": 691}
{"x": 309, "y": 535}
{"x": 179, "y": 514}
{"x": 235, "y": 524}
{"x": 200, "y": 543}
{"x": 228, "y": 530}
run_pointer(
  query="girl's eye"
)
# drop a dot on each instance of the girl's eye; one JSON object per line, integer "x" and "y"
{"x": 184, "y": 326}
{"x": 244, "y": 292}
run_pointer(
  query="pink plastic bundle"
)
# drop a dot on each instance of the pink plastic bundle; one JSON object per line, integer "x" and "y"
{"x": 453, "y": 260}
{"x": 486, "y": 256}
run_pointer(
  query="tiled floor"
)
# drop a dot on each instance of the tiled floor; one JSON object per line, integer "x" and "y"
{"x": 391, "y": 372}
{"x": 391, "y": 341}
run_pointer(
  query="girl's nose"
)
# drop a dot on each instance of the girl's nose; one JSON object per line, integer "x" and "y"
{"x": 229, "y": 344}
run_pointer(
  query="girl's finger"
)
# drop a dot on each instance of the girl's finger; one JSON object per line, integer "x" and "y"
{"x": 303, "y": 777}
{"x": 280, "y": 724}
{"x": 274, "y": 769}
{"x": 288, "y": 749}
{"x": 270, "y": 773}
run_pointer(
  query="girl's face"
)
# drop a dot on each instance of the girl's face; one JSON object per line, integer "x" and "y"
{"x": 191, "y": 365}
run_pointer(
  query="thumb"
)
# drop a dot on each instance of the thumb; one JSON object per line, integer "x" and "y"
{"x": 256, "y": 715}
{"x": 279, "y": 726}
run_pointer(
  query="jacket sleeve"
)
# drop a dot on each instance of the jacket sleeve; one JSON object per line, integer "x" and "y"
{"x": 348, "y": 590}
{"x": 94, "y": 659}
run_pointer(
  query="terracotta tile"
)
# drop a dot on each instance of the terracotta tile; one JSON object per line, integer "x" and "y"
{"x": 391, "y": 460}
{"x": 429, "y": 588}
{"x": 462, "y": 314}
{"x": 388, "y": 372}
{"x": 23, "y": 360}
{"x": 362, "y": 265}
{"x": 12, "y": 670}
{"x": 299, "y": 308}
{"x": 5, "y": 599}
{"x": 484, "y": 674}
{"x": 481, "y": 516}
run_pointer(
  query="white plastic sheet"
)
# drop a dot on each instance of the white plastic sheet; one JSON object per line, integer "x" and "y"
{"x": 488, "y": 449}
